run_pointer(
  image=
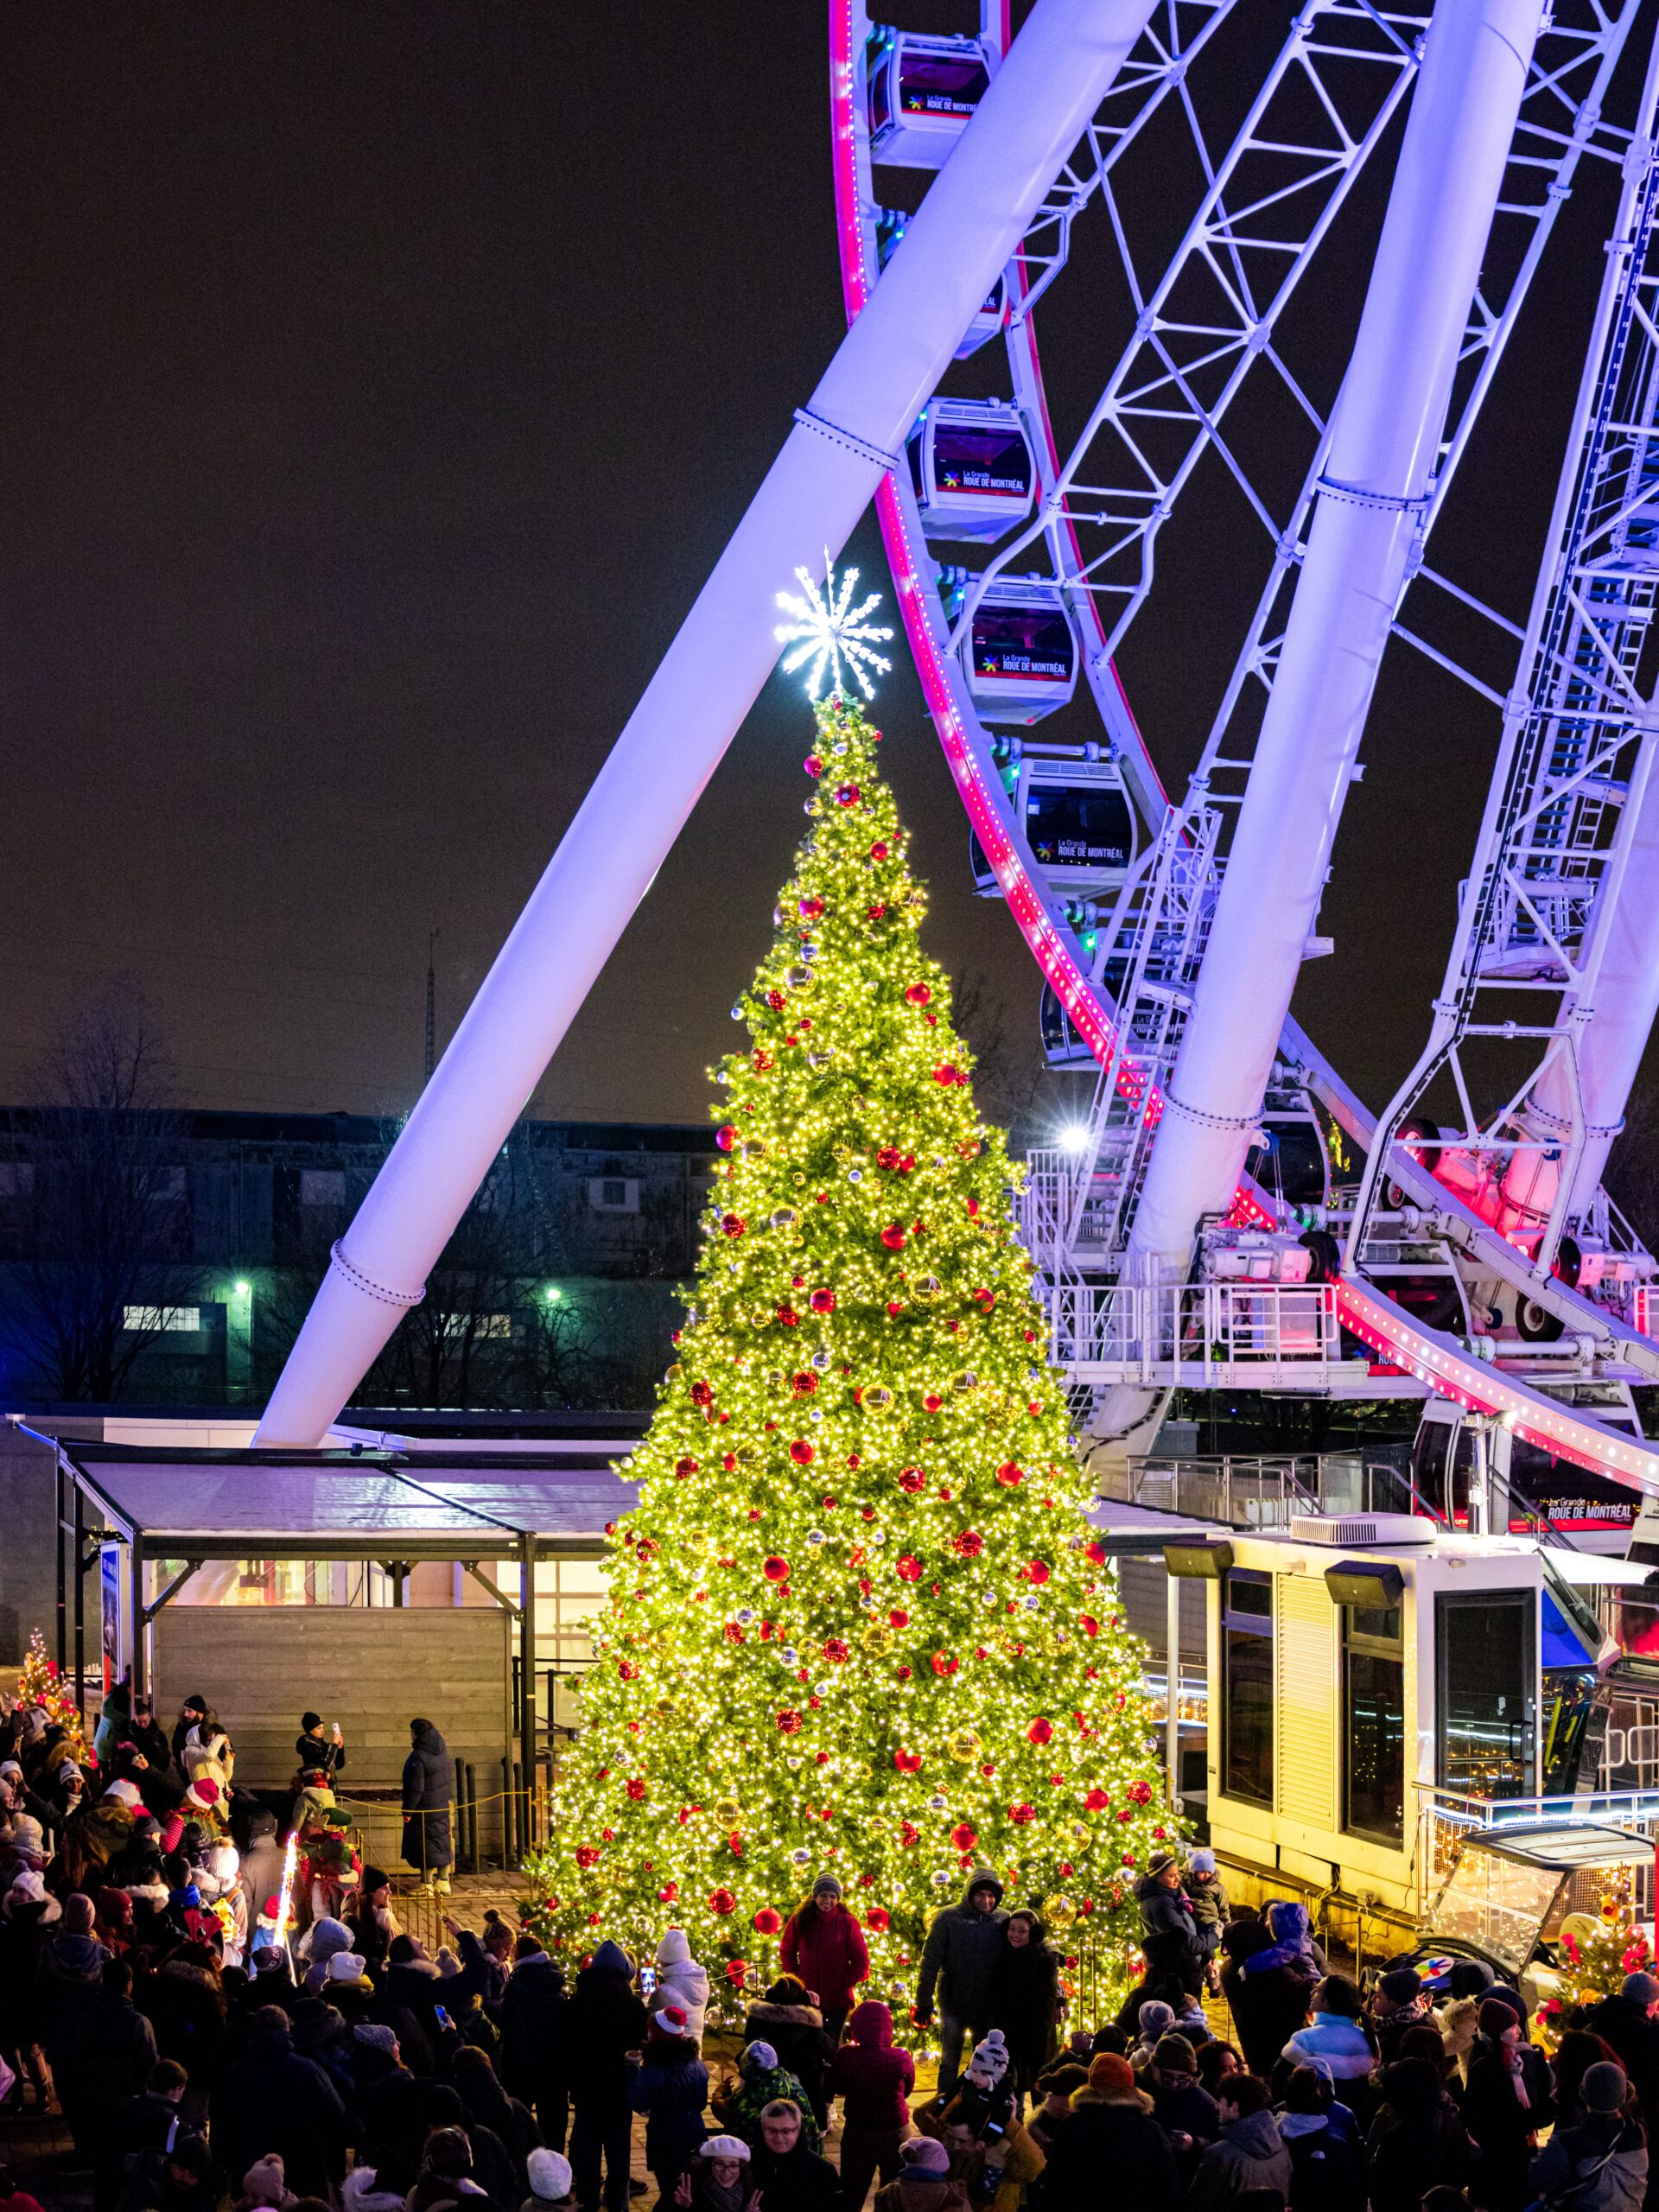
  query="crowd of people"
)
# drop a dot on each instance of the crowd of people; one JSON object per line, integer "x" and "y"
{"x": 214, "y": 2036}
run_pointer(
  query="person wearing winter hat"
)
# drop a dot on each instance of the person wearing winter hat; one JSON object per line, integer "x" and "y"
{"x": 345, "y": 1969}
{"x": 1600, "y": 2162}
{"x": 606, "y": 2021}
{"x": 923, "y": 2183}
{"x": 1508, "y": 2099}
{"x": 1182, "y": 2108}
{"x": 994, "y": 2156}
{"x": 1210, "y": 1911}
{"x": 319, "y": 1942}
{"x": 319, "y": 1750}
{"x": 717, "y": 2179}
{"x": 1397, "y": 2003}
{"x": 739, "y": 2103}
{"x": 681, "y": 1980}
{"x": 1111, "y": 2149}
{"x": 823, "y": 1944}
{"x": 669, "y": 2085}
{"x": 1626, "y": 2021}
{"x": 124, "y": 1793}
{"x": 28, "y": 1896}
{"x": 787, "y": 2020}
{"x": 548, "y": 2173}
{"x": 960, "y": 1959}
{"x": 874, "y": 2081}
{"x": 265, "y": 2187}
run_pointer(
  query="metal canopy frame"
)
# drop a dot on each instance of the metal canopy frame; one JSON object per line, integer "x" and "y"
{"x": 486, "y": 1536}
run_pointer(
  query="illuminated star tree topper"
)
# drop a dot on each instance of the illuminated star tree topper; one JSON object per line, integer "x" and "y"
{"x": 829, "y": 629}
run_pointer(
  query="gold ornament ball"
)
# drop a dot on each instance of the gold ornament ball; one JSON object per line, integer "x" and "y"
{"x": 1059, "y": 1912}
{"x": 878, "y": 1637}
{"x": 1082, "y": 1834}
{"x": 929, "y": 1289}
{"x": 964, "y": 1746}
{"x": 729, "y": 1812}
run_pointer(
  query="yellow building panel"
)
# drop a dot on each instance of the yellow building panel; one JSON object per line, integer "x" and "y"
{"x": 1305, "y": 1766}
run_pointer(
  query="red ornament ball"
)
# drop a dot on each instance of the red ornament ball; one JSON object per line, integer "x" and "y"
{"x": 588, "y": 1854}
{"x": 767, "y": 1921}
{"x": 813, "y": 765}
{"x": 893, "y": 1237}
{"x": 910, "y": 1570}
{"x": 907, "y": 1762}
{"x": 1089, "y": 1624}
{"x": 1010, "y": 1474}
{"x": 736, "y": 1968}
{"x": 878, "y": 1917}
{"x": 969, "y": 1544}
{"x": 810, "y": 909}
{"x": 789, "y": 1722}
{"x": 1097, "y": 1800}
{"x": 847, "y": 795}
{"x": 963, "y": 1837}
{"x": 636, "y": 1788}
{"x": 776, "y": 1569}
{"x": 944, "y": 1662}
{"x": 805, "y": 1383}
{"x": 801, "y": 1452}
{"x": 917, "y": 994}
{"x": 726, "y": 1137}
{"x": 628, "y": 1671}
{"x": 888, "y": 1156}
{"x": 946, "y": 1075}
{"x": 1022, "y": 1815}
{"x": 669, "y": 1893}
{"x": 879, "y": 850}
{"x": 733, "y": 1224}
{"x": 722, "y": 1901}
{"x": 913, "y": 1480}
{"x": 824, "y": 1301}
{"x": 835, "y": 1651}
{"x": 1041, "y": 1731}
{"x": 684, "y": 1467}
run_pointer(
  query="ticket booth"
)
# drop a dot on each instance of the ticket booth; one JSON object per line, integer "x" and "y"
{"x": 1369, "y": 1677}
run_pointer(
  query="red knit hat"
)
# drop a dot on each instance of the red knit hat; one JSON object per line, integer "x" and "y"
{"x": 1115, "y": 2074}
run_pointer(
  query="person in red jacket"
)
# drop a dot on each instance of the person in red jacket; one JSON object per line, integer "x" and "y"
{"x": 824, "y": 1944}
{"x": 876, "y": 2081}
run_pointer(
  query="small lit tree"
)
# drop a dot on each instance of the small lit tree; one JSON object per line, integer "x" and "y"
{"x": 41, "y": 1683}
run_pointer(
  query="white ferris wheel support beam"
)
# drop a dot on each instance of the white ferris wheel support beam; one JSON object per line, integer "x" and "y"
{"x": 1384, "y": 442}
{"x": 851, "y": 432}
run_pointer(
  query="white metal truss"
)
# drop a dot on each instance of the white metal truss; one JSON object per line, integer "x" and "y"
{"x": 1576, "y": 755}
{"x": 1560, "y": 121}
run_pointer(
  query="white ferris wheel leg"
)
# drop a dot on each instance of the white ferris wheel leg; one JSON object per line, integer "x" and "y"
{"x": 1385, "y": 434}
{"x": 1039, "y": 105}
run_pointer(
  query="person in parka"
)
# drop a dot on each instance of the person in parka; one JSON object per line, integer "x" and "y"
{"x": 1598, "y": 2164}
{"x": 795, "y": 2029}
{"x": 823, "y": 1944}
{"x": 606, "y": 2021}
{"x": 874, "y": 2080}
{"x": 670, "y": 2087}
{"x": 1181, "y": 2105}
{"x": 429, "y": 1786}
{"x": 1169, "y": 1934}
{"x": 1250, "y": 2153}
{"x": 681, "y": 1980}
{"x": 1111, "y": 2153}
{"x": 1210, "y": 1911}
{"x": 1026, "y": 1998}
{"x": 534, "y": 2017}
{"x": 960, "y": 1959}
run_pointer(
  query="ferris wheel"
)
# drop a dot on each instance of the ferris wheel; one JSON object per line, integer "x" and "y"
{"x": 1227, "y": 1207}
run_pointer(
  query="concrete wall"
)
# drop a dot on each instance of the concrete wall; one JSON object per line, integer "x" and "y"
{"x": 28, "y": 1556}
{"x": 372, "y": 1669}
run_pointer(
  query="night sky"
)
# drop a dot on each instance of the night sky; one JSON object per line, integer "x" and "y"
{"x": 377, "y": 387}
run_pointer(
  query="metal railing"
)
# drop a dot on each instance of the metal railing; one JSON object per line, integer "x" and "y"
{"x": 1183, "y": 1332}
{"x": 1263, "y": 1490}
{"x": 1447, "y": 1817}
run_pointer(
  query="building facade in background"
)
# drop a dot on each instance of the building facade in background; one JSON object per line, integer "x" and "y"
{"x": 169, "y": 1259}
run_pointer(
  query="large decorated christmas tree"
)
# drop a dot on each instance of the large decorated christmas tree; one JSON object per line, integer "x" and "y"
{"x": 857, "y": 1621}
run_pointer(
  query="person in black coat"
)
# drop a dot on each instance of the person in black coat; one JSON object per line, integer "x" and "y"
{"x": 1627, "y": 2024}
{"x": 273, "y": 2100}
{"x": 1417, "y": 2141}
{"x": 1025, "y": 1998}
{"x": 1111, "y": 2153}
{"x": 318, "y": 1753}
{"x": 1186, "y": 2111}
{"x": 148, "y": 2122}
{"x": 534, "y": 2014}
{"x": 794, "y": 2027}
{"x": 1269, "y": 2003}
{"x": 1507, "y": 2099}
{"x": 606, "y": 2021}
{"x": 1169, "y": 1931}
{"x": 110, "y": 2058}
{"x": 428, "y": 1786}
{"x": 785, "y": 2175}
